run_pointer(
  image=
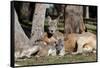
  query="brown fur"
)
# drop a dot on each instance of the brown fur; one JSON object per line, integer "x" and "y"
{"x": 47, "y": 50}
{"x": 70, "y": 42}
{"x": 87, "y": 47}
{"x": 54, "y": 38}
{"x": 43, "y": 51}
{"x": 47, "y": 39}
{"x": 86, "y": 43}
{"x": 87, "y": 40}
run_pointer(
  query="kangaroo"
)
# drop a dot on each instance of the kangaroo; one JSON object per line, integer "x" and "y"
{"x": 53, "y": 35}
{"x": 47, "y": 50}
{"x": 86, "y": 43}
{"x": 80, "y": 43}
{"x": 60, "y": 47}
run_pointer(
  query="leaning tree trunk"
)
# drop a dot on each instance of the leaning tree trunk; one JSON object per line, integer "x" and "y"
{"x": 74, "y": 19}
{"x": 21, "y": 40}
{"x": 38, "y": 22}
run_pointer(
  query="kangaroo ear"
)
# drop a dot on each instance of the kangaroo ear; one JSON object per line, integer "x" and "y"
{"x": 57, "y": 19}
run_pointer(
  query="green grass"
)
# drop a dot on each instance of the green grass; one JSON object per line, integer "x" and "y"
{"x": 91, "y": 27}
{"x": 56, "y": 59}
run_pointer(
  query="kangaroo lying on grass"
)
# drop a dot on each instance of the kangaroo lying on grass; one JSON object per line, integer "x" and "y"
{"x": 80, "y": 43}
{"x": 45, "y": 50}
{"x": 86, "y": 43}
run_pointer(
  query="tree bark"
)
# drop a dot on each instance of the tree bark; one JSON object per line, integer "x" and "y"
{"x": 21, "y": 40}
{"x": 73, "y": 19}
{"x": 38, "y": 22}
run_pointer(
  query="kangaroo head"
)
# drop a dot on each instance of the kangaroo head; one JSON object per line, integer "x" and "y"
{"x": 52, "y": 25}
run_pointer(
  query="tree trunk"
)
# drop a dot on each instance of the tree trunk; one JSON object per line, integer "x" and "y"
{"x": 21, "y": 40}
{"x": 73, "y": 19}
{"x": 38, "y": 22}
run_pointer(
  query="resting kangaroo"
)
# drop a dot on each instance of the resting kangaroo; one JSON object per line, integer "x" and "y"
{"x": 47, "y": 50}
{"x": 53, "y": 35}
{"x": 86, "y": 43}
{"x": 80, "y": 43}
